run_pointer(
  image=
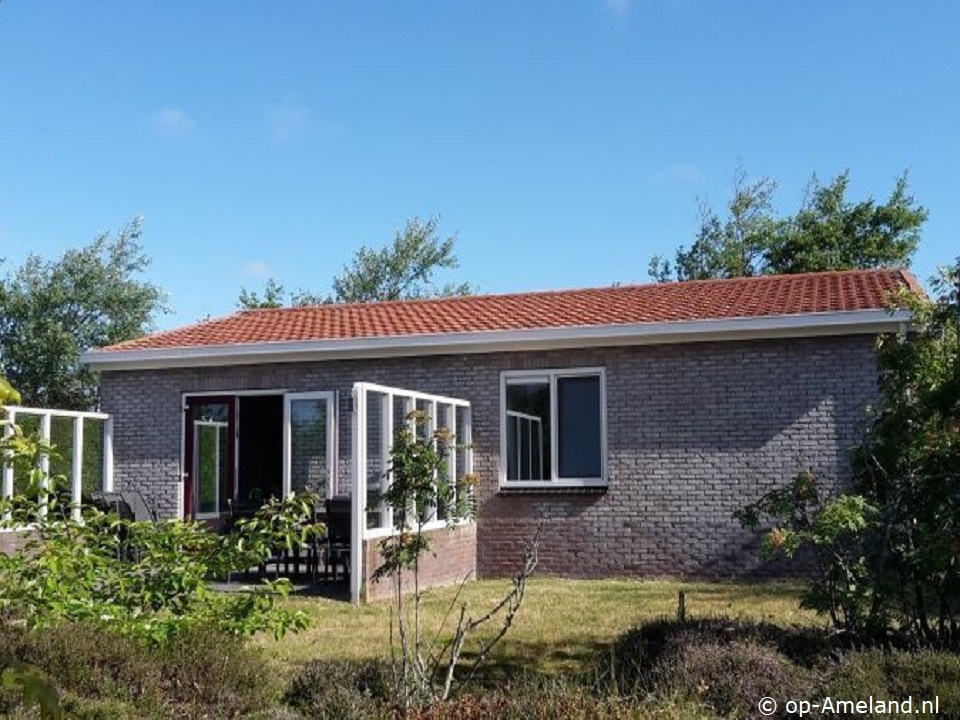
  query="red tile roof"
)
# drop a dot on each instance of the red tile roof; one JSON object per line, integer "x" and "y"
{"x": 666, "y": 302}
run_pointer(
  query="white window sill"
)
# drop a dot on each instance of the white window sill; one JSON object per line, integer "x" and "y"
{"x": 508, "y": 487}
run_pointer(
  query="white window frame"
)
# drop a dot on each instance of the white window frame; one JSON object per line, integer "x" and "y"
{"x": 550, "y": 375}
{"x": 330, "y": 397}
{"x": 196, "y": 469}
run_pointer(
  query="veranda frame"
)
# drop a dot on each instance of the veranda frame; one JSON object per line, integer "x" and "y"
{"x": 46, "y": 416}
{"x": 390, "y": 396}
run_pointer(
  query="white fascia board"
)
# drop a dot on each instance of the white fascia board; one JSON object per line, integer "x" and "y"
{"x": 747, "y": 328}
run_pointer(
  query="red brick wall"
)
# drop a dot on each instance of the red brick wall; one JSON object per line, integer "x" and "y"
{"x": 453, "y": 557}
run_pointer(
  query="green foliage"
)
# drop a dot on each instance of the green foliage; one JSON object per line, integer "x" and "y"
{"x": 731, "y": 247}
{"x": 273, "y": 295}
{"x": 146, "y": 580}
{"x": 35, "y": 687}
{"x": 896, "y": 675}
{"x": 887, "y": 554}
{"x": 832, "y": 233}
{"x": 828, "y": 232}
{"x": 831, "y": 528}
{"x": 8, "y": 395}
{"x": 421, "y": 483}
{"x": 51, "y": 311}
{"x": 403, "y": 270}
{"x": 98, "y": 673}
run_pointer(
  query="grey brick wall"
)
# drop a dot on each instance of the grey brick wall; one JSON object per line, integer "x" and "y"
{"x": 694, "y": 432}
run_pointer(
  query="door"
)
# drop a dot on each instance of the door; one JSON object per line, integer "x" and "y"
{"x": 310, "y": 443}
{"x": 209, "y": 456}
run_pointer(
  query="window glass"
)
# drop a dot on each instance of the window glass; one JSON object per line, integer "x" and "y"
{"x": 528, "y": 429}
{"x": 578, "y": 427}
{"x": 538, "y": 451}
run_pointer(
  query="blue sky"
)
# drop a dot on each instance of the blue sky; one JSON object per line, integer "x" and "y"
{"x": 564, "y": 142}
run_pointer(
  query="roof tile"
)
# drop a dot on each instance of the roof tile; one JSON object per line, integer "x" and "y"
{"x": 635, "y": 304}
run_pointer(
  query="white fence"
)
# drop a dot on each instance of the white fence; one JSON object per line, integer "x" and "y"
{"x": 46, "y": 417}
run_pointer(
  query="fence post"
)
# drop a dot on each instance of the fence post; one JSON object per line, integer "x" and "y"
{"x": 7, "y": 489}
{"x": 108, "y": 455}
{"x": 76, "y": 487}
{"x": 44, "y": 465}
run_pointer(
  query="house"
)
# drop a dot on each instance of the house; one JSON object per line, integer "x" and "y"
{"x": 631, "y": 421}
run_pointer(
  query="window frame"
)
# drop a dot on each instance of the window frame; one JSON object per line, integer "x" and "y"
{"x": 551, "y": 375}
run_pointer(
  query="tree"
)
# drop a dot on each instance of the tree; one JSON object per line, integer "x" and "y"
{"x": 51, "y": 311}
{"x": 734, "y": 247}
{"x": 828, "y": 232}
{"x": 403, "y": 270}
{"x": 832, "y": 233}
{"x": 272, "y": 297}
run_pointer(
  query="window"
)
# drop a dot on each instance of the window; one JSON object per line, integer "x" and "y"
{"x": 553, "y": 427}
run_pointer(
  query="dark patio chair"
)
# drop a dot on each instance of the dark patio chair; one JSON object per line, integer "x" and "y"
{"x": 141, "y": 511}
{"x": 337, "y": 543}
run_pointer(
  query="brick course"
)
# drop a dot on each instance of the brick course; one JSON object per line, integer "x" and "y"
{"x": 694, "y": 432}
{"x": 452, "y": 558}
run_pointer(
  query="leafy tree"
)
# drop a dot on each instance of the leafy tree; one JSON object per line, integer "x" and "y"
{"x": 731, "y": 247}
{"x": 888, "y": 551}
{"x": 403, "y": 270}
{"x": 272, "y": 297}
{"x": 51, "y": 311}
{"x": 828, "y": 232}
{"x": 832, "y": 233}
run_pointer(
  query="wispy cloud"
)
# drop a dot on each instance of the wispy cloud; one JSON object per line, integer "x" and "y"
{"x": 617, "y": 7}
{"x": 258, "y": 270}
{"x": 287, "y": 120}
{"x": 171, "y": 122}
{"x": 685, "y": 173}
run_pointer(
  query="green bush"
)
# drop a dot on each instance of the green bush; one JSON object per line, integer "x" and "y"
{"x": 896, "y": 675}
{"x": 729, "y": 677}
{"x": 201, "y": 673}
{"x": 631, "y": 666}
{"x": 338, "y": 689}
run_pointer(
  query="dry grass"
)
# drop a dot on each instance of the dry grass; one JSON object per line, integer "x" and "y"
{"x": 562, "y": 625}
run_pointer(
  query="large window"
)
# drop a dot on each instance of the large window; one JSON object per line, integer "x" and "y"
{"x": 553, "y": 427}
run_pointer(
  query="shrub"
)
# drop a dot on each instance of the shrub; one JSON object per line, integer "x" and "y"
{"x": 200, "y": 673}
{"x": 630, "y": 666}
{"x": 338, "y": 689}
{"x": 896, "y": 675}
{"x": 887, "y": 551}
{"x": 729, "y": 677}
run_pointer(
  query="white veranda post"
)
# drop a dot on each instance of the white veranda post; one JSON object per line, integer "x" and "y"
{"x": 377, "y": 411}
{"x": 80, "y": 437}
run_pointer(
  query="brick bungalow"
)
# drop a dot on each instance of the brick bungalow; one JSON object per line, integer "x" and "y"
{"x": 632, "y": 421}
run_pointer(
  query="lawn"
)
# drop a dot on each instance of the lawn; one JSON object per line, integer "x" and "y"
{"x": 561, "y": 627}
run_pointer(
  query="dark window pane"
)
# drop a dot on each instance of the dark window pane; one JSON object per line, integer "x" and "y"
{"x": 528, "y": 429}
{"x": 578, "y": 434}
{"x": 512, "y": 447}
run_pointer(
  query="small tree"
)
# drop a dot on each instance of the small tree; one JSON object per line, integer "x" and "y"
{"x": 426, "y": 669}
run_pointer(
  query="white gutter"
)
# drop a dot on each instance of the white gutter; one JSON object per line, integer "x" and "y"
{"x": 726, "y": 329}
